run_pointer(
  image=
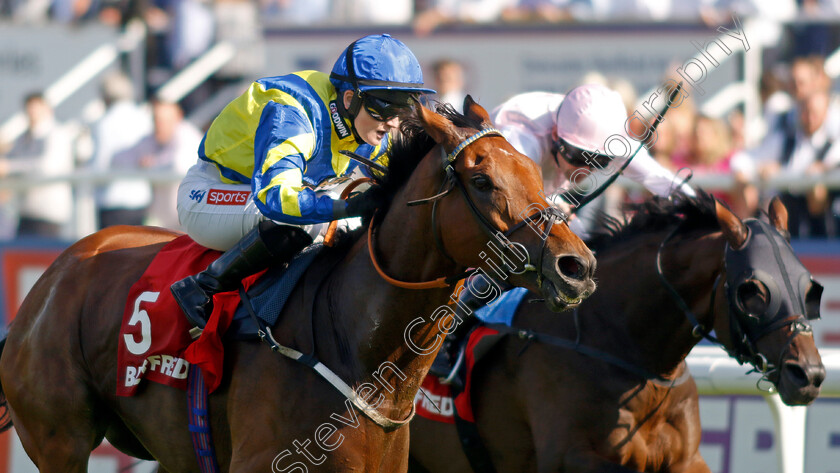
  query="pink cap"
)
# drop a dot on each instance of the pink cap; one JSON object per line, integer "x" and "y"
{"x": 589, "y": 115}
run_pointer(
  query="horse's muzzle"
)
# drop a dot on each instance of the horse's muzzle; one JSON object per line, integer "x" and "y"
{"x": 572, "y": 284}
{"x": 799, "y": 383}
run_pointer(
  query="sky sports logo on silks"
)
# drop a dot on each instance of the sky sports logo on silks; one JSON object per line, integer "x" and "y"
{"x": 223, "y": 197}
{"x": 340, "y": 127}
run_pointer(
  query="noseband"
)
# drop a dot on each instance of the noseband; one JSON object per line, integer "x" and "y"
{"x": 750, "y": 265}
{"x": 451, "y": 181}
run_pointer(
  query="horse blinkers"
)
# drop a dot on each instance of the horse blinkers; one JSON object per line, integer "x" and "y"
{"x": 764, "y": 293}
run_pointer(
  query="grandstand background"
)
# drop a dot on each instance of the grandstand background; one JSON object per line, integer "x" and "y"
{"x": 199, "y": 54}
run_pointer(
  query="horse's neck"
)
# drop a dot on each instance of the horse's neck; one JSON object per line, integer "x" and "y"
{"x": 642, "y": 316}
{"x": 369, "y": 316}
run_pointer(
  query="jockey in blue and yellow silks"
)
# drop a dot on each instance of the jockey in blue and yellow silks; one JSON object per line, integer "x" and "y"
{"x": 251, "y": 193}
{"x": 280, "y": 137}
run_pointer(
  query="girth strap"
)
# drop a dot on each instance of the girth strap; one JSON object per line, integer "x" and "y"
{"x": 199, "y": 422}
{"x": 310, "y": 360}
{"x": 472, "y": 445}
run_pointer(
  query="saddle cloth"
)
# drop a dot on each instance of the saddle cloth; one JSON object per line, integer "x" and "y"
{"x": 154, "y": 342}
{"x": 435, "y": 401}
{"x": 439, "y": 402}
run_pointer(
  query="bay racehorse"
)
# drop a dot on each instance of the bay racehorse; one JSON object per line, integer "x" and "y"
{"x": 58, "y": 367}
{"x": 623, "y": 400}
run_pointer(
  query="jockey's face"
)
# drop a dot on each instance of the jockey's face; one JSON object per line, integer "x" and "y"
{"x": 372, "y": 131}
{"x": 567, "y": 169}
{"x": 564, "y": 166}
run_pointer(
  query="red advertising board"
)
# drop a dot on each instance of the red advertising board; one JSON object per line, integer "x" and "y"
{"x": 20, "y": 268}
{"x": 825, "y": 268}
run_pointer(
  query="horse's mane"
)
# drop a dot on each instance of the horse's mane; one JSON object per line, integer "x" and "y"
{"x": 654, "y": 215}
{"x": 407, "y": 149}
{"x": 410, "y": 146}
{"x": 413, "y": 143}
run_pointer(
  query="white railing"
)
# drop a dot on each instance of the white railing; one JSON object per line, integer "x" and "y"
{"x": 181, "y": 84}
{"x": 197, "y": 72}
{"x": 84, "y": 181}
{"x": 716, "y": 373}
{"x": 760, "y": 34}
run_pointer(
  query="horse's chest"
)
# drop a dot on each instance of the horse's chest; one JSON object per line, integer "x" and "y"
{"x": 643, "y": 437}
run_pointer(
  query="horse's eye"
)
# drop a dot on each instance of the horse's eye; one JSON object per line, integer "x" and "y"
{"x": 753, "y": 297}
{"x": 481, "y": 182}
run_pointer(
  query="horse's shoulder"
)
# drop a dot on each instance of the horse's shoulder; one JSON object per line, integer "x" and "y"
{"x": 120, "y": 237}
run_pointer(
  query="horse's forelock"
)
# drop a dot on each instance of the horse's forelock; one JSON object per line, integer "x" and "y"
{"x": 412, "y": 143}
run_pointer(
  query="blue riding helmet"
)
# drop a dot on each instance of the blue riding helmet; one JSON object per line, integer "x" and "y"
{"x": 383, "y": 74}
{"x": 378, "y": 63}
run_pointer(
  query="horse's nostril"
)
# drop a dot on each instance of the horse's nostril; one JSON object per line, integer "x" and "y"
{"x": 571, "y": 267}
{"x": 806, "y": 376}
{"x": 797, "y": 374}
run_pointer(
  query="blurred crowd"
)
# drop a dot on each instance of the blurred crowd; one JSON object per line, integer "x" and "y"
{"x": 799, "y": 129}
{"x": 799, "y": 139}
{"x": 127, "y": 138}
{"x": 179, "y": 16}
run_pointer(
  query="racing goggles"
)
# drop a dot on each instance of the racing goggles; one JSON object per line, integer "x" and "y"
{"x": 578, "y": 157}
{"x": 382, "y": 110}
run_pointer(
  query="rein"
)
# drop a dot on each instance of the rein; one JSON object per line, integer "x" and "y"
{"x": 440, "y": 282}
{"x": 529, "y": 335}
{"x": 329, "y": 235}
{"x": 697, "y": 329}
{"x": 452, "y": 181}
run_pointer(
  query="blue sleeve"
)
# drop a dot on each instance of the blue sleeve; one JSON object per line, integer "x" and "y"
{"x": 283, "y": 143}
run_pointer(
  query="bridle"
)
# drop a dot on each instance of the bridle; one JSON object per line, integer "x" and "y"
{"x": 750, "y": 265}
{"x": 452, "y": 180}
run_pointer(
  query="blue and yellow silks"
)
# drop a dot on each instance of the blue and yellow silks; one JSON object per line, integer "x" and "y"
{"x": 283, "y": 136}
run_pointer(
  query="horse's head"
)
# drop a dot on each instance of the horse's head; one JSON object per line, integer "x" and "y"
{"x": 497, "y": 218}
{"x": 771, "y": 299}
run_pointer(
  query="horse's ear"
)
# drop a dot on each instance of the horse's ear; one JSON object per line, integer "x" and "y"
{"x": 779, "y": 217}
{"x": 733, "y": 228}
{"x": 476, "y": 112}
{"x": 439, "y": 128}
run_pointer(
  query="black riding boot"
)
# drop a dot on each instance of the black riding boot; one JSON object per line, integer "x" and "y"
{"x": 447, "y": 356}
{"x": 266, "y": 245}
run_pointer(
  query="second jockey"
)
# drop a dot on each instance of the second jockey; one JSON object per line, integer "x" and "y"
{"x": 565, "y": 134}
{"x": 570, "y": 131}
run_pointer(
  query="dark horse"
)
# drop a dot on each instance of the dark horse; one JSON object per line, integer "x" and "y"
{"x": 629, "y": 404}
{"x": 58, "y": 368}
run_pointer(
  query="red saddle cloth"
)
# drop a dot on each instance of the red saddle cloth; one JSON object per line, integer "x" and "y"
{"x": 437, "y": 403}
{"x": 154, "y": 342}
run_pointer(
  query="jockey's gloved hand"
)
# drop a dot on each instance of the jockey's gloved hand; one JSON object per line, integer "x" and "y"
{"x": 362, "y": 204}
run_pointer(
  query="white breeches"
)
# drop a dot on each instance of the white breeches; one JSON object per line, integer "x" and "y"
{"x": 217, "y": 215}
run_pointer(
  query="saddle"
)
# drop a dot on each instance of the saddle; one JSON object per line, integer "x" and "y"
{"x": 155, "y": 344}
{"x": 267, "y": 297}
